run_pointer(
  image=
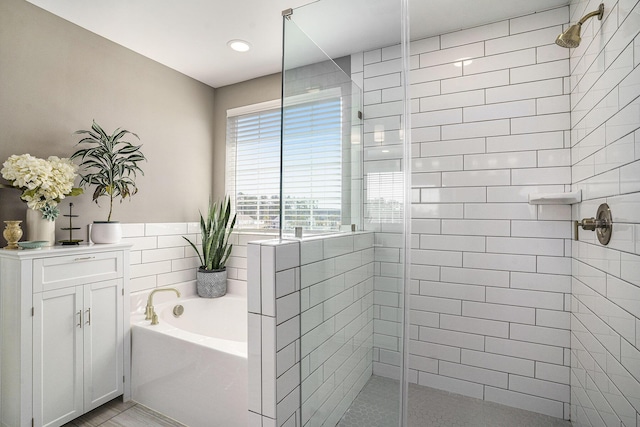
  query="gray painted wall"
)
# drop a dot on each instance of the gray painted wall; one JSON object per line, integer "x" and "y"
{"x": 57, "y": 77}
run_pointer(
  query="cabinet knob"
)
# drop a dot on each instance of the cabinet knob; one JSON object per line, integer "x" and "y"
{"x": 88, "y": 311}
{"x": 79, "y": 313}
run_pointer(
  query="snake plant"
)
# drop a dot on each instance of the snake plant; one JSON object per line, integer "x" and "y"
{"x": 110, "y": 163}
{"x": 215, "y": 231}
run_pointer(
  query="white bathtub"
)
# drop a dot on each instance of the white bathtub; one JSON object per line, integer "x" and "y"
{"x": 194, "y": 368}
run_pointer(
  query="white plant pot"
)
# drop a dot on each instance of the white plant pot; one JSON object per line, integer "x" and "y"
{"x": 106, "y": 232}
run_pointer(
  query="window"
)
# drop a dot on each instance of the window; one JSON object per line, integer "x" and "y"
{"x": 312, "y": 185}
{"x": 385, "y": 195}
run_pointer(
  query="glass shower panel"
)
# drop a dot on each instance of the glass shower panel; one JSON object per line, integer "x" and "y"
{"x": 321, "y": 140}
{"x": 344, "y": 162}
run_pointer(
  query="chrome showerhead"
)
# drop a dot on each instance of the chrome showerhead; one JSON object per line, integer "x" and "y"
{"x": 571, "y": 37}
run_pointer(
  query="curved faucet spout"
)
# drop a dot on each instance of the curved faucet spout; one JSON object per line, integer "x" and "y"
{"x": 162, "y": 290}
{"x": 149, "y": 311}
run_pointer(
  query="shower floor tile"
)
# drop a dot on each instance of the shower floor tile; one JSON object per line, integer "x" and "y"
{"x": 429, "y": 407}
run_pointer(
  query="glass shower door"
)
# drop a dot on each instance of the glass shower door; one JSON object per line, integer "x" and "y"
{"x": 343, "y": 187}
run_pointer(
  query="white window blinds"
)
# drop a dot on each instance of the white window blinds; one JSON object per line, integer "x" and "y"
{"x": 312, "y": 184}
{"x": 312, "y": 166}
{"x": 385, "y": 195}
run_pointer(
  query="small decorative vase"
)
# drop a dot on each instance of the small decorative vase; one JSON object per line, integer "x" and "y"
{"x": 106, "y": 232}
{"x": 210, "y": 283}
{"x": 12, "y": 233}
{"x": 39, "y": 228}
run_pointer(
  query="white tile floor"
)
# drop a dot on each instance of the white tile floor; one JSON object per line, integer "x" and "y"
{"x": 429, "y": 407}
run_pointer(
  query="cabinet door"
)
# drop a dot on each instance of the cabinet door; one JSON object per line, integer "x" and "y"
{"x": 103, "y": 342}
{"x": 57, "y": 356}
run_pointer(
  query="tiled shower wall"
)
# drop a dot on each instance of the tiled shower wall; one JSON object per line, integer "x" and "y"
{"x": 490, "y": 285}
{"x": 384, "y": 190}
{"x": 310, "y": 328}
{"x": 336, "y": 281}
{"x": 605, "y": 154}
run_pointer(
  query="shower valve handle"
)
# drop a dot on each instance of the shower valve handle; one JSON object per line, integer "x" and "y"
{"x": 602, "y": 224}
{"x": 590, "y": 224}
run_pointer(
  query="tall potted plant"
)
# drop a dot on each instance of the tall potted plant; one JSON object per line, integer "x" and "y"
{"x": 110, "y": 164}
{"x": 215, "y": 231}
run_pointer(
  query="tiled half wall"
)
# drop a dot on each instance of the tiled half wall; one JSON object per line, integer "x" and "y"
{"x": 310, "y": 328}
{"x": 161, "y": 257}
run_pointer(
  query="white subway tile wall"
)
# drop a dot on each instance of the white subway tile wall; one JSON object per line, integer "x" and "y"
{"x": 311, "y": 327}
{"x": 162, "y": 257}
{"x": 491, "y": 274}
{"x": 605, "y": 144}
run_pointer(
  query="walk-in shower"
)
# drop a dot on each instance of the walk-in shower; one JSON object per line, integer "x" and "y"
{"x": 463, "y": 294}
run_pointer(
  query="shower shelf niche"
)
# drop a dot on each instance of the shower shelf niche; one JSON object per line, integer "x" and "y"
{"x": 555, "y": 198}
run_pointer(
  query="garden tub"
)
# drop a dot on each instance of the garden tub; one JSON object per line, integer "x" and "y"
{"x": 193, "y": 368}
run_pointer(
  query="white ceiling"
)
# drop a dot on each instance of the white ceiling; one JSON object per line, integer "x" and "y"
{"x": 191, "y": 36}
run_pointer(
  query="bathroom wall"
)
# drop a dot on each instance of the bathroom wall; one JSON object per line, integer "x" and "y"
{"x": 310, "y": 328}
{"x": 490, "y": 280}
{"x": 605, "y": 157}
{"x": 58, "y": 77}
{"x": 161, "y": 257}
{"x": 384, "y": 192}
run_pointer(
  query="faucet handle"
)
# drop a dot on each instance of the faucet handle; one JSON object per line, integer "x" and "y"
{"x": 148, "y": 312}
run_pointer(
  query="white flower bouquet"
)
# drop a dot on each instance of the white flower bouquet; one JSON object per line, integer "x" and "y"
{"x": 44, "y": 183}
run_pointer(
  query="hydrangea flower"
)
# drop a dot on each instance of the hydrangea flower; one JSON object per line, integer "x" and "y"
{"x": 44, "y": 183}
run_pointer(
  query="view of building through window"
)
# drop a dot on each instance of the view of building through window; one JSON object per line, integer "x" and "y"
{"x": 312, "y": 166}
{"x": 385, "y": 196}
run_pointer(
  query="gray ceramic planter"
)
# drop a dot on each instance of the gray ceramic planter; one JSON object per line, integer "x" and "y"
{"x": 211, "y": 284}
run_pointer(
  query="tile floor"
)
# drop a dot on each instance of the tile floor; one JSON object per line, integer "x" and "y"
{"x": 372, "y": 408}
{"x": 429, "y": 407}
{"x": 123, "y": 414}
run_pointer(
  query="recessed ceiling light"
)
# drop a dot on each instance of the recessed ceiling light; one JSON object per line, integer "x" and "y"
{"x": 239, "y": 45}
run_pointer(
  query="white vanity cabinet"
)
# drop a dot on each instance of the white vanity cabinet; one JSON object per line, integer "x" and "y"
{"x": 64, "y": 333}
